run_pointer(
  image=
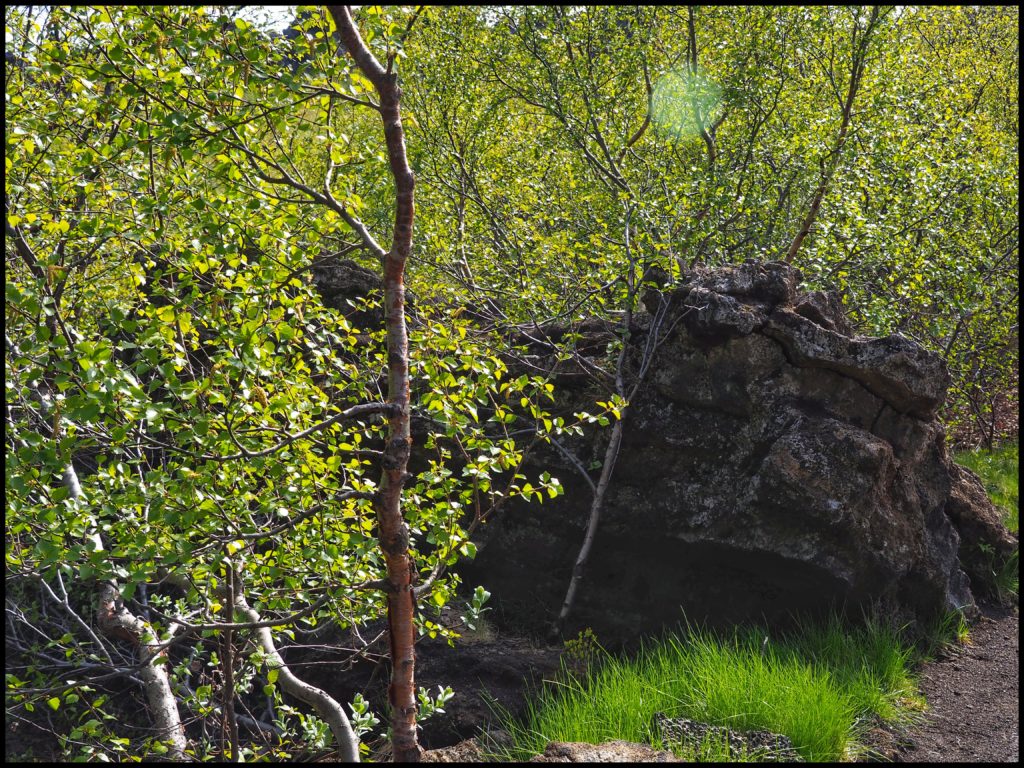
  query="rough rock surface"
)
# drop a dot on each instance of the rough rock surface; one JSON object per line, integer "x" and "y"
{"x": 345, "y": 285}
{"x": 979, "y": 523}
{"x": 743, "y": 745}
{"x": 772, "y": 463}
{"x": 467, "y": 751}
{"x": 609, "y": 752}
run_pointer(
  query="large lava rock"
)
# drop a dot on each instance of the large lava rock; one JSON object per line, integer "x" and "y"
{"x": 353, "y": 289}
{"x": 772, "y": 464}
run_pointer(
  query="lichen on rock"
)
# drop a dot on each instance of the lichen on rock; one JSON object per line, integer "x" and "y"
{"x": 772, "y": 464}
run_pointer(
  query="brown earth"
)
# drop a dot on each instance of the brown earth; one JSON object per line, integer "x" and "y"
{"x": 973, "y": 694}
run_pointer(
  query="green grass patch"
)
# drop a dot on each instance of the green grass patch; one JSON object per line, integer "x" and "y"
{"x": 998, "y": 470}
{"x": 950, "y": 629}
{"x": 819, "y": 686}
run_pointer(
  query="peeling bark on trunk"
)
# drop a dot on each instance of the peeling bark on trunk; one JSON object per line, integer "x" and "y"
{"x": 326, "y": 707}
{"x": 393, "y": 533}
{"x": 116, "y": 621}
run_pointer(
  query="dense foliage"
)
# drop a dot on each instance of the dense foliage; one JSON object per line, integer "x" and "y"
{"x": 185, "y": 410}
{"x": 918, "y": 225}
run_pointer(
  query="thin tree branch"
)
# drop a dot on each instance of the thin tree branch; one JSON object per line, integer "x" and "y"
{"x": 355, "y": 411}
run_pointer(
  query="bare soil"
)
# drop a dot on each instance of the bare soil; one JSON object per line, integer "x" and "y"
{"x": 973, "y": 694}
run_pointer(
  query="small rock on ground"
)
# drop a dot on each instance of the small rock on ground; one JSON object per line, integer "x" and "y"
{"x": 560, "y": 752}
{"x": 609, "y": 752}
{"x": 467, "y": 751}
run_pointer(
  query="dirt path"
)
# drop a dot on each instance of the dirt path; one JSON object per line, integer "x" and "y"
{"x": 973, "y": 695}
